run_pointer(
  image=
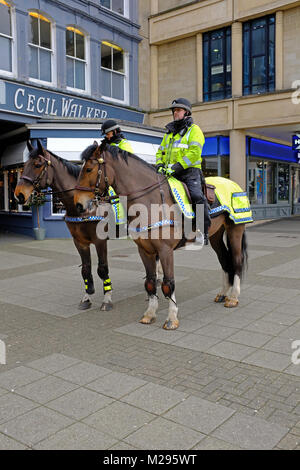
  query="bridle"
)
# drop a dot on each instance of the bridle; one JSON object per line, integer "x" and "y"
{"x": 36, "y": 183}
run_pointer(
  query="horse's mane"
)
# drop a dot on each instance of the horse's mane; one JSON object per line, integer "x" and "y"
{"x": 115, "y": 152}
{"x": 72, "y": 168}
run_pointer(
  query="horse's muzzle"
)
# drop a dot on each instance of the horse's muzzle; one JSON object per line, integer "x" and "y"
{"x": 80, "y": 208}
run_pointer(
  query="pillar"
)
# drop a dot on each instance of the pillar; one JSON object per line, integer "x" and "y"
{"x": 237, "y": 59}
{"x": 238, "y": 162}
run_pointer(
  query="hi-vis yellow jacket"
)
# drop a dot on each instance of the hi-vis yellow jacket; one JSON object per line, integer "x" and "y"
{"x": 186, "y": 149}
{"x": 124, "y": 145}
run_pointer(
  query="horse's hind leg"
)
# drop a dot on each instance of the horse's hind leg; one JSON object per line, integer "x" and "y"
{"x": 235, "y": 236}
{"x": 86, "y": 272}
{"x": 166, "y": 256}
{"x": 149, "y": 262}
{"x": 103, "y": 273}
{"x": 222, "y": 253}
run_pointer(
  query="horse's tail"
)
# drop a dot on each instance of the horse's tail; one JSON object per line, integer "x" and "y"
{"x": 244, "y": 263}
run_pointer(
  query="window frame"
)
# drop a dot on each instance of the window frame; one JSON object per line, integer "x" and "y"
{"x": 14, "y": 61}
{"x": 270, "y": 84}
{"x": 126, "y": 8}
{"x": 87, "y": 88}
{"x": 208, "y": 96}
{"x": 124, "y": 74}
{"x": 52, "y": 50}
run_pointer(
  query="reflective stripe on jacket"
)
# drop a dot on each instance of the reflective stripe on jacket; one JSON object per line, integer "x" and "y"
{"x": 186, "y": 149}
{"x": 124, "y": 145}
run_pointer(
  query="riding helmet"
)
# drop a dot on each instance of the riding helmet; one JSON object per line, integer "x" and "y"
{"x": 109, "y": 125}
{"x": 182, "y": 103}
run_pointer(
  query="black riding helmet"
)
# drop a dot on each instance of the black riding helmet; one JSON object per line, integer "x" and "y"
{"x": 182, "y": 103}
{"x": 109, "y": 125}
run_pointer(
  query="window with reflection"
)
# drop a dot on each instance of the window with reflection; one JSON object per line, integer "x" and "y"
{"x": 296, "y": 185}
{"x": 210, "y": 166}
{"x": 76, "y": 58}
{"x": 271, "y": 187}
{"x": 6, "y": 38}
{"x": 259, "y": 55}
{"x": 2, "y": 191}
{"x": 217, "y": 64}
{"x": 113, "y": 71}
{"x": 40, "y": 48}
{"x": 256, "y": 181}
{"x": 118, "y": 6}
{"x": 283, "y": 183}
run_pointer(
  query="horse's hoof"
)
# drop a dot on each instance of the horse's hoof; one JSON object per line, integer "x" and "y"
{"x": 231, "y": 303}
{"x": 171, "y": 325}
{"x": 85, "y": 305}
{"x": 147, "y": 320}
{"x": 220, "y": 299}
{"x": 106, "y": 307}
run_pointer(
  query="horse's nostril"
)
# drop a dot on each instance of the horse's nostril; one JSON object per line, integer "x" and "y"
{"x": 79, "y": 207}
{"x": 20, "y": 198}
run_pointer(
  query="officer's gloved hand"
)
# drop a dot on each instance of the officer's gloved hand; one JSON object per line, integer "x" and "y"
{"x": 177, "y": 168}
{"x": 160, "y": 169}
{"x": 169, "y": 172}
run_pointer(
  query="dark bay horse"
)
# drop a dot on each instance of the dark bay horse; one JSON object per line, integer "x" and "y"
{"x": 132, "y": 177}
{"x": 44, "y": 169}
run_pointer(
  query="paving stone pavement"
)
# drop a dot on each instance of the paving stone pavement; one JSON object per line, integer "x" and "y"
{"x": 101, "y": 380}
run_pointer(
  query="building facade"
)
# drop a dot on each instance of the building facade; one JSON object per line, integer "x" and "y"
{"x": 238, "y": 62}
{"x": 64, "y": 68}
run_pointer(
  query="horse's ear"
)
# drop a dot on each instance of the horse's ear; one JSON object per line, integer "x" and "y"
{"x": 95, "y": 142}
{"x": 29, "y": 145}
{"x": 40, "y": 147}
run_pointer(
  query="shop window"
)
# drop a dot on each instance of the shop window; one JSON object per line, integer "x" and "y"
{"x": 225, "y": 173}
{"x": 259, "y": 55}
{"x": 210, "y": 166}
{"x": 270, "y": 176}
{"x": 118, "y": 6}
{"x": 40, "y": 48}
{"x": 113, "y": 63}
{"x": 283, "y": 183}
{"x": 217, "y": 64}
{"x": 6, "y": 37}
{"x": 2, "y": 192}
{"x": 58, "y": 207}
{"x": 256, "y": 181}
{"x": 76, "y": 58}
{"x": 296, "y": 185}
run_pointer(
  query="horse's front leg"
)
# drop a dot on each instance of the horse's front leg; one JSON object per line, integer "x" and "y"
{"x": 166, "y": 256}
{"x": 103, "y": 273}
{"x": 149, "y": 262}
{"x": 86, "y": 272}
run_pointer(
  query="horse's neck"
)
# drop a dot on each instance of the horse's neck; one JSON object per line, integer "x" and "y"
{"x": 62, "y": 183}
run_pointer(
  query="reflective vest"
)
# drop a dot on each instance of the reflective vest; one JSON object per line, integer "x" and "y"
{"x": 124, "y": 145}
{"x": 186, "y": 149}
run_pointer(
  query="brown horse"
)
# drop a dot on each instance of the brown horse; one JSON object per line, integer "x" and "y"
{"x": 44, "y": 169}
{"x": 109, "y": 166}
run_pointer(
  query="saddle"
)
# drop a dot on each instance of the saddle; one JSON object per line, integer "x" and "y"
{"x": 208, "y": 191}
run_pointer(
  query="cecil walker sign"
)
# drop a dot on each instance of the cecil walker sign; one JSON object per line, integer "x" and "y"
{"x": 38, "y": 102}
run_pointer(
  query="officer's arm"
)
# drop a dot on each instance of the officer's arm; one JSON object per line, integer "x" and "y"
{"x": 160, "y": 153}
{"x": 193, "y": 154}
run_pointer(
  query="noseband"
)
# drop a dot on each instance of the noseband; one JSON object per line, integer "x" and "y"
{"x": 37, "y": 181}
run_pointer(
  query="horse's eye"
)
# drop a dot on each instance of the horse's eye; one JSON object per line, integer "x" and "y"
{"x": 88, "y": 170}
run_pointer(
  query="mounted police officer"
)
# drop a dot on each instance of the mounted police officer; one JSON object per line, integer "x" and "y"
{"x": 180, "y": 155}
{"x": 114, "y": 136}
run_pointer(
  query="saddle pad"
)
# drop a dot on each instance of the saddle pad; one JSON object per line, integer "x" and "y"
{"x": 232, "y": 199}
{"x": 180, "y": 197}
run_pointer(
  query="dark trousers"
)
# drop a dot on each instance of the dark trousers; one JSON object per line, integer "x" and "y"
{"x": 192, "y": 177}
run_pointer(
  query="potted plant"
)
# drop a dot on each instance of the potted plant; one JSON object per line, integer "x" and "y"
{"x": 37, "y": 201}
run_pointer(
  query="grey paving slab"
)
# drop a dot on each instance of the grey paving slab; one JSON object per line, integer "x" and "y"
{"x": 290, "y": 270}
{"x": 3, "y": 392}
{"x": 164, "y": 435}
{"x": 281, "y": 318}
{"x": 212, "y": 443}
{"x": 135, "y": 329}
{"x": 292, "y": 332}
{"x": 12, "y": 406}
{"x": 122, "y": 446}
{"x": 34, "y": 426}
{"x": 217, "y": 331}
{"x": 196, "y": 342}
{"x": 269, "y": 360}
{"x": 78, "y": 436}
{"x": 116, "y": 385}
{"x": 17, "y": 260}
{"x": 12, "y": 379}
{"x": 293, "y": 369}
{"x": 46, "y": 389}
{"x": 234, "y": 351}
{"x": 82, "y": 373}
{"x": 53, "y": 363}
{"x": 200, "y": 415}
{"x": 273, "y": 240}
{"x": 154, "y": 398}
{"x": 164, "y": 336}
{"x": 6, "y": 443}
{"x": 280, "y": 345}
{"x": 255, "y": 340}
{"x": 250, "y": 432}
{"x": 80, "y": 403}
{"x": 266, "y": 327}
{"x": 119, "y": 419}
